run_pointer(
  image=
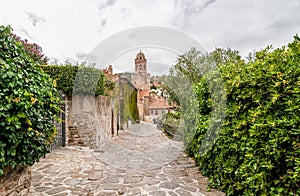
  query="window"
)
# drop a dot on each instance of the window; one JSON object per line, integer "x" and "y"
{"x": 156, "y": 112}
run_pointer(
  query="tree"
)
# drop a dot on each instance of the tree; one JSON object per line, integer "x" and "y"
{"x": 190, "y": 69}
{"x": 33, "y": 50}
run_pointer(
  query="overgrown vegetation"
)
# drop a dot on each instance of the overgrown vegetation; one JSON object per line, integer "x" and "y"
{"x": 170, "y": 123}
{"x": 257, "y": 149}
{"x": 77, "y": 79}
{"x": 29, "y": 103}
{"x": 33, "y": 50}
{"x": 128, "y": 101}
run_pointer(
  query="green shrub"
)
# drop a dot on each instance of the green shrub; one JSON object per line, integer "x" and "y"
{"x": 258, "y": 149}
{"x": 29, "y": 104}
{"x": 33, "y": 50}
{"x": 77, "y": 79}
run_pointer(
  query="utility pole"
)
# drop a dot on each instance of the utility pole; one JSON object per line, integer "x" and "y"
{"x": 112, "y": 117}
{"x": 165, "y": 95}
{"x": 119, "y": 112}
{"x": 165, "y": 104}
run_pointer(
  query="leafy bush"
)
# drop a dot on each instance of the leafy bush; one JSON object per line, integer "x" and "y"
{"x": 170, "y": 123}
{"x": 33, "y": 50}
{"x": 258, "y": 149}
{"x": 109, "y": 85}
{"x": 29, "y": 104}
{"x": 76, "y": 79}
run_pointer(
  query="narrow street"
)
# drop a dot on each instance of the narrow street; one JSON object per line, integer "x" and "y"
{"x": 140, "y": 161}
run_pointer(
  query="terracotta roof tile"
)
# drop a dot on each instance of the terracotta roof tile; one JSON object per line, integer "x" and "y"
{"x": 158, "y": 102}
{"x": 143, "y": 93}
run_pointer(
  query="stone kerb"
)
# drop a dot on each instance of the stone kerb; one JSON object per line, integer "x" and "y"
{"x": 15, "y": 181}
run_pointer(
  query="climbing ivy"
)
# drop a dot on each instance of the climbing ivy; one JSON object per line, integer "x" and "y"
{"x": 128, "y": 101}
{"x": 29, "y": 103}
{"x": 258, "y": 149}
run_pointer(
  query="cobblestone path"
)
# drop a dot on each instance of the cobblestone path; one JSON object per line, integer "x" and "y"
{"x": 140, "y": 161}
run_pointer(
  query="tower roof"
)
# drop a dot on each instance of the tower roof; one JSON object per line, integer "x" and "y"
{"x": 140, "y": 55}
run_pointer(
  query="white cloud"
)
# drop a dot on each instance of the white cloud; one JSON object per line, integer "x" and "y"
{"x": 70, "y": 28}
{"x": 34, "y": 19}
{"x": 187, "y": 9}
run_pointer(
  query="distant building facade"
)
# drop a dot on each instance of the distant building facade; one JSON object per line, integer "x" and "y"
{"x": 158, "y": 105}
{"x": 149, "y": 105}
{"x": 141, "y": 79}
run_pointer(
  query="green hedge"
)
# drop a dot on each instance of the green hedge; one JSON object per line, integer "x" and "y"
{"x": 29, "y": 104}
{"x": 76, "y": 79}
{"x": 258, "y": 149}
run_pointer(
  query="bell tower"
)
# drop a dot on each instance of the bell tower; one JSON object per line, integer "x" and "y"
{"x": 141, "y": 80}
{"x": 140, "y": 63}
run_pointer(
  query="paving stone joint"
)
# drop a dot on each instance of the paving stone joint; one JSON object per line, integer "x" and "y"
{"x": 140, "y": 161}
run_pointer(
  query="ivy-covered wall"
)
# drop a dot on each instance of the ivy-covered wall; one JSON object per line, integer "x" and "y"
{"x": 128, "y": 101}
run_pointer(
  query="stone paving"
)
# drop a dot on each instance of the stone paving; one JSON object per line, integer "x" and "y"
{"x": 140, "y": 161}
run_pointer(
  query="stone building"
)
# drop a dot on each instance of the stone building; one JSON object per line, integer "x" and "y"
{"x": 158, "y": 105}
{"x": 149, "y": 105}
{"x": 141, "y": 79}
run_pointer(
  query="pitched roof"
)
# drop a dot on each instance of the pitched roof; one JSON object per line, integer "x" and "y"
{"x": 143, "y": 93}
{"x": 157, "y": 102}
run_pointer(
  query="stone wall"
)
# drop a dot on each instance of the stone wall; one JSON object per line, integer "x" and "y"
{"x": 89, "y": 121}
{"x": 104, "y": 119}
{"x": 15, "y": 182}
{"x": 141, "y": 80}
{"x": 140, "y": 106}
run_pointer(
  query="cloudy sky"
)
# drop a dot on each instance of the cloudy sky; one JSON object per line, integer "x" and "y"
{"x": 72, "y": 29}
